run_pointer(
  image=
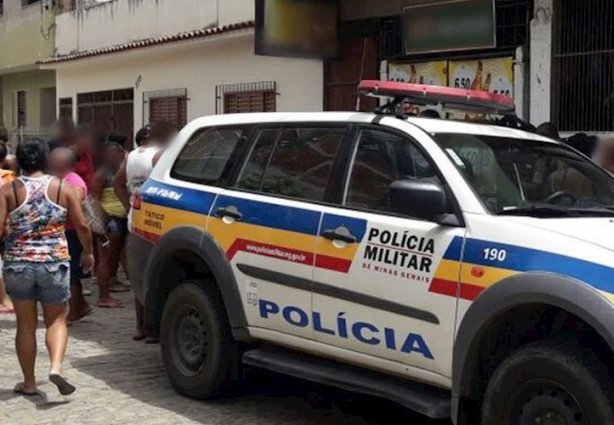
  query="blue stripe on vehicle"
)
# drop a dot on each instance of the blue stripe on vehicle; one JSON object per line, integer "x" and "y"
{"x": 272, "y": 215}
{"x": 165, "y": 195}
{"x": 523, "y": 259}
{"x": 356, "y": 226}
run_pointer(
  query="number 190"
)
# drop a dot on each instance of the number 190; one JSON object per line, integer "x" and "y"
{"x": 494, "y": 254}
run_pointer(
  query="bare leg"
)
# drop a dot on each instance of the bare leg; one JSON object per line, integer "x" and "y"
{"x": 57, "y": 335}
{"x": 79, "y": 307}
{"x": 25, "y": 341}
{"x": 107, "y": 270}
{"x": 5, "y": 302}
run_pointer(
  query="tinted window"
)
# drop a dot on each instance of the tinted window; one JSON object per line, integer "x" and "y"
{"x": 382, "y": 158}
{"x": 293, "y": 162}
{"x": 210, "y": 154}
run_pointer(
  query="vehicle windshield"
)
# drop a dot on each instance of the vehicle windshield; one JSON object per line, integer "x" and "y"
{"x": 530, "y": 177}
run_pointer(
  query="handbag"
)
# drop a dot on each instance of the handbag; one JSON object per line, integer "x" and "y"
{"x": 96, "y": 216}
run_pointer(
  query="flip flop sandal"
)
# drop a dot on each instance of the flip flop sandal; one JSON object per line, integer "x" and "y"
{"x": 7, "y": 310}
{"x": 19, "y": 390}
{"x": 65, "y": 387}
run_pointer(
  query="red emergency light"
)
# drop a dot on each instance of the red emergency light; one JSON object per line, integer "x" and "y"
{"x": 451, "y": 98}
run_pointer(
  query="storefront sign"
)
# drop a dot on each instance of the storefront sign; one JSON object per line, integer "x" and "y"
{"x": 492, "y": 75}
{"x": 454, "y": 25}
{"x": 432, "y": 73}
{"x": 297, "y": 28}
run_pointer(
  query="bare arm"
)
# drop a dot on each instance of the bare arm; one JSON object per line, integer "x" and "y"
{"x": 120, "y": 187}
{"x": 79, "y": 222}
{"x": 3, "y": 212}
{"x": 98, "y": 182}
{"x": 156, "y": 158}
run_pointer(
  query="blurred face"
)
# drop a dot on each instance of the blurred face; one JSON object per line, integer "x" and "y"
{"x": 113, "y": 157}
{"x": 59, "y": 163}
{"x": 83, "y": 143}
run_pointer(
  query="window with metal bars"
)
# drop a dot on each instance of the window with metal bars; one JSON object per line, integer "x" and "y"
{"x": 66, "y": 107}
{"x": 513, "y": 18}
{"x": 110, "y": 111}
{"x": 167, "y": 105}
{"x": 247, "y": 97}
{"x": 583, "y": 65}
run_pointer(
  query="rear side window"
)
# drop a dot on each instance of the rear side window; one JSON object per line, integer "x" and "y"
{"x": 293, "y": 162}
{"x": 210, "y": 154}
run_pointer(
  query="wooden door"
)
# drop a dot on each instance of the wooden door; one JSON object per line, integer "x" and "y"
{"x": 357, "y": 61}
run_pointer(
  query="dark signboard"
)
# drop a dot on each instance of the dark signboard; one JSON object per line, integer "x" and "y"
{"x": 454, "y": 25}
{"x": 297, "y": 28}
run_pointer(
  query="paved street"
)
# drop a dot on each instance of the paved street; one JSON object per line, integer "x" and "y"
{"x": 122, "y": 382}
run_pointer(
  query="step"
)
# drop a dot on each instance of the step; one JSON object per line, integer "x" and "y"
{"x": 426, "y": 400}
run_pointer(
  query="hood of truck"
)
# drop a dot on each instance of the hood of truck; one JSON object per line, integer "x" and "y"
{"x": 595, "y": 231}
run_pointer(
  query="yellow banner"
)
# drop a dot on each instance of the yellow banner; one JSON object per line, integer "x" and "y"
{"x": 492, "y": 75}
{"x": 432, "y": 73}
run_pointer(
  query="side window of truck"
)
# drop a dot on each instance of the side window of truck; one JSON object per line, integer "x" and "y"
{"x": 380, "y": 159}
{"x": 211, "y": 154}
{"x": 294, "y": 162}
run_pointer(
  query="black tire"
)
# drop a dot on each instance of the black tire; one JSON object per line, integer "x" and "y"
{"x": 198, "y": 350}
{"x": 549, "y": 382}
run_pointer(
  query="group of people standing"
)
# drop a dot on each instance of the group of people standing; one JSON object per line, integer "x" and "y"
{"x": 65, "y": 205}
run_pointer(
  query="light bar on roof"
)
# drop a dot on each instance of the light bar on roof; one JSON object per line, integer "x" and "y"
{"x": 449, "y": 97}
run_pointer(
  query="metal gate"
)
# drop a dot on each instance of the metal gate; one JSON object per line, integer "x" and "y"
{"x": 110, "y": 112}
{"x": 583, "y": 65}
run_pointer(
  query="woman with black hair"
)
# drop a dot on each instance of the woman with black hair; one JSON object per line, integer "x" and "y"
{"x": 36, "y": 259}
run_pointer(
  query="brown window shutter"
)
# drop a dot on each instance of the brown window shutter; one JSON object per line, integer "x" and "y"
{"x": 173, "y": 109}
{"x": 250, "y": 101}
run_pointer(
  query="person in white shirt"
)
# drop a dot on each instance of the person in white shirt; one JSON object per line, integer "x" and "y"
{"x": 151, "y": 140}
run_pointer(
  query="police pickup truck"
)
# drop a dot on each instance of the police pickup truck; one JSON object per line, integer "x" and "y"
{"x": 463, "y": 270}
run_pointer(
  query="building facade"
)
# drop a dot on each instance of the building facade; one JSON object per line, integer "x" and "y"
{"x": 374, "y": 45}
{"x": 27, "y": 35}
{"x": 117, "y": 64}
{"x": 124, "y": 63}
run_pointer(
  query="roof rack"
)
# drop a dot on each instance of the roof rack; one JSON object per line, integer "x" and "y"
{"x": 469, "y": 101}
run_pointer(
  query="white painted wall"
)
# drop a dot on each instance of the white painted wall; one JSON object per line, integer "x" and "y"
{"x": 121, "y": 21}
{"x": 199, "y": 66}
{"x": 233, "y": 11}
{"x": 541, "y": 61}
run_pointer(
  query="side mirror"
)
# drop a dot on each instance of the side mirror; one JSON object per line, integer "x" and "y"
{"x": 422, "y": 199}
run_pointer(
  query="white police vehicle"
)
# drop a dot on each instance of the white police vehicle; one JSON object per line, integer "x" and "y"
{"x": 465, "y": 271}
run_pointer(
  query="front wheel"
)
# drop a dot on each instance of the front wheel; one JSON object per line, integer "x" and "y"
{"x": 198, "y": 350}
{"x": 549, "y": 383}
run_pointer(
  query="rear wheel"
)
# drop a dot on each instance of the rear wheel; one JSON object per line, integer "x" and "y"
{"x": 549, "y": 383}
{"x": 198, "y": 350}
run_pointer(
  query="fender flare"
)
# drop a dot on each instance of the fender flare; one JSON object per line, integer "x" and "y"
{"x": 202, "y": 244}
{"x": 551, "y": 289}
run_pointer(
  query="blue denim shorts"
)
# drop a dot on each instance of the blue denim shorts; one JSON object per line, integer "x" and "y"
{"x": 48, "y": 283}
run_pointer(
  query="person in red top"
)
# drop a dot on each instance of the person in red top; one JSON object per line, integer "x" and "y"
{"x": 84, "y": 147}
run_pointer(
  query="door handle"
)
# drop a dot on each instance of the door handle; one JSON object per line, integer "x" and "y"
{"x": 339, "y": 234}
{"x": 230, "y": 212}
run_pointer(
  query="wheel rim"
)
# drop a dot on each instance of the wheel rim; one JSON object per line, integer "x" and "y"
{"x": 190, "y": 340}
{"x": 545, "y": 402}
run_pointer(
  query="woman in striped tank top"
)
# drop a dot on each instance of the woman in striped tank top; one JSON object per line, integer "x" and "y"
{"x": 36, "y": 259}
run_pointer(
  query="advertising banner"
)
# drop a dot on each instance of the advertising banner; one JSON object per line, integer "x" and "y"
{"x": 297, "y": 28}
{"x": 453, "y": 25}
{"x": 433, "y": 73}
{"x": 492, "y": 75}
